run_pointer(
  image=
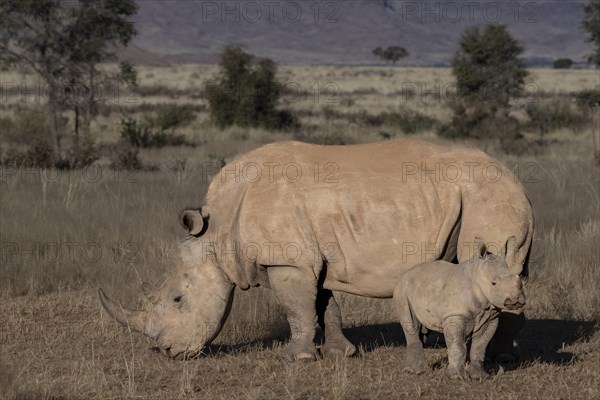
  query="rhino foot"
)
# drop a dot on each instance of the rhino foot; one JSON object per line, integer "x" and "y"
{"x": 338, "y": 349}
{"x": 414, "y": 361}
{"x": 477, "y": 373}
{"x": 455, "y": 372}
{"x": 291, "y": 353}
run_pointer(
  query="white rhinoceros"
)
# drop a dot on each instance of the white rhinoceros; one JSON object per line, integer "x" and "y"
{"x": 306, "y": 220}
{"x": 460, "y": 300}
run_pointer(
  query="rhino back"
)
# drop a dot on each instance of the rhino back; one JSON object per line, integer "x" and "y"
{"x": 360, "y": 211}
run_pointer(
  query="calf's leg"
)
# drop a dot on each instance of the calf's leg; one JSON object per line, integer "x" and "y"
{"x": 297, "y": 293}
{"x": 479, "y": 342}
{"x": 454, "y": 333}
{"x": 330, "y": 320}
{"x": 414, "y": 361}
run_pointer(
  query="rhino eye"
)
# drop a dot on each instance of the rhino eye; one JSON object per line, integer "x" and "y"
{"x": 494, "y": 283}
{"x": 178, "y": 299}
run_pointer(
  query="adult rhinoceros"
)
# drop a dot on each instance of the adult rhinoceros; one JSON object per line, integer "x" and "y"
{"x": 306, "y": 220}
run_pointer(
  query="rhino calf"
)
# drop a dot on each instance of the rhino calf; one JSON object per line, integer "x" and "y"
{"x": 458, "y": 300}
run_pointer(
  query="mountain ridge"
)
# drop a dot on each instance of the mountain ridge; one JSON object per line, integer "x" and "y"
{"x": 342, "y": 32}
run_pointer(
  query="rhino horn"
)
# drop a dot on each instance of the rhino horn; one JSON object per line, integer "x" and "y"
{"x": 510, "y": 253}
{"x": 480, "y": 247}
{"x": 193, "y": 221}
{"x": 135, "y": 320}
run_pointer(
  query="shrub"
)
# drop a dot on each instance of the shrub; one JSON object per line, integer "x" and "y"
{"x": 40, "y": 154}
{"x": 171, "y": 118}
{"x": 588, "y": 98}
{"x": 80, "y": 155}
{"x": 482, "y": 121}
{"x": 562, "y": 63}
{"x": 408, "y": 121}
{"x": 157, "y": 131}
{"x": 126, "y": 157}
{"x": 25, "y": 128}
{"x": 546, "y": 117}
{"x": 246, "y": 95}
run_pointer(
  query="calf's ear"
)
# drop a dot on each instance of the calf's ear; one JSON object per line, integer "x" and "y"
{"x": 480, "y": 247}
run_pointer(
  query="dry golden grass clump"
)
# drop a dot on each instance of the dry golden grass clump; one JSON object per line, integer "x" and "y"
{"x": 63, "y": 234}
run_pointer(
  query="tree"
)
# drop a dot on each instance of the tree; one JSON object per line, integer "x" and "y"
{"x": 63, "y": 42}
{"x": 562, "y": 63}
{"x": 487, "y": 66}
{"x": 591, "y": 24}
{"x": 391, "y": 54}
{"x": 246, "y": 94}
{"x": 488, "y": 74}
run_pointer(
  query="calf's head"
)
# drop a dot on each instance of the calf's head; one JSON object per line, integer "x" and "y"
{"x": 188, "y": 311}
{"x": 501, "y": 286}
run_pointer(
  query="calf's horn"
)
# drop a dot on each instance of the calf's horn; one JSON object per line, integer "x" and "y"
{"x": 135, "y": 320}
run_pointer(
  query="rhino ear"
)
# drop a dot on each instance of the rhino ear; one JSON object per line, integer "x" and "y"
{"x": 193, "y": 221}
{"x": 480, "y": 247}
{"x": 510, "y": 250}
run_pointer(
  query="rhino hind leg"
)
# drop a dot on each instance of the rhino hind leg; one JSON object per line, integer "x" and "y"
{"x": 297, "y": 295}
{"x": 414, "y": 360}
{"x": 330, "y": 319}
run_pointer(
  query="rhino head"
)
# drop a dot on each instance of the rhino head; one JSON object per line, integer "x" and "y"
{"x": 500, "y": 286}
{"x": 188, "y": 312}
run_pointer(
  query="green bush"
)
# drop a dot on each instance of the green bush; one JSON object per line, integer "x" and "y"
{"x": 545, "y": 117}
{"x": 158, "y": 130}
{"x": 481, "y": 121}
{"x": 25, "y": 128}
{"x": 39, "y": 154}
{"x": 246, "y": 95}
{"x": 588, "y": 98}
{"x": 126, "y": 157}
{"x": 408, "y": 121}
{"x": 562, "y": 63}
{"x": 80, "y": 155}
{"x": 324, "y": 138}
{"x": 171, "y": 118}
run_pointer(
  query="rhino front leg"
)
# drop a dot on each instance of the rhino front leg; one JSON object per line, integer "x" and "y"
{"x": 297, "y": 294}
{"x": 454, "y": 333}
{"x": 479, "y": 342}
{"x": 330, "y": 320}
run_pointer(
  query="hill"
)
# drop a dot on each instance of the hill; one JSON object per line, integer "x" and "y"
{"x": 345, "y": 32}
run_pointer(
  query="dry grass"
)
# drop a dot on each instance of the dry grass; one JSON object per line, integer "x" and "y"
{"x": 64, "y": 234}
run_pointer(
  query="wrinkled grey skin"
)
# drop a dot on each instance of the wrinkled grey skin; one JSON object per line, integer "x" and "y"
{"x": 354, "y": 219}
{"x": 458, "y": 300}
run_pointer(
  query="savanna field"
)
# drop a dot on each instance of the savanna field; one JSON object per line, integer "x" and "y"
{"x": 64, "y": 234}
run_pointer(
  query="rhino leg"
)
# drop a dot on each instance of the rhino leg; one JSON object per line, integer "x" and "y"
{"x": 454, "y": 333}
{"x": 479, "y": 342}
{"x": 414, "y": 360}
{"x": 330, "y": 320}
{"x": 501, "y": 347}
{"x": 297, "y": 294}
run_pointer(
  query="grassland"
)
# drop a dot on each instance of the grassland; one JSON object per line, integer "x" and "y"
{"x": 63, "y": 234}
